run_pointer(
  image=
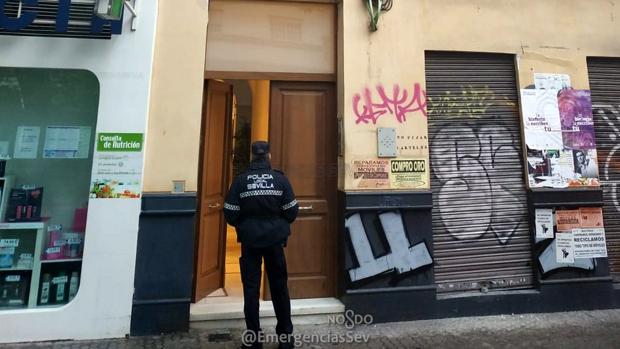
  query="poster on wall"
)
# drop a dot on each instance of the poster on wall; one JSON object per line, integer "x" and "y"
{"x": 564, "y": 247}
{"x": 544, "y": 223}
{"x": 371, "y": 174}
{"x": 541, "y": 119}
{"x": 575, "y": 108}
{"x": 408, "y": 173}
{"x": 388, "y": 104}
{"x": 585, "y": 227}
{"x": 551, "y": 81}
{"x": 590, "y": 243}
{"x": 117, "y": 166}
{"x": 66, "y": 142}
{"x": 559, "y": 134}
{"x": 591, "y": 217}
{"x": 567, "y": 220}
{"x": 26, "y": 142}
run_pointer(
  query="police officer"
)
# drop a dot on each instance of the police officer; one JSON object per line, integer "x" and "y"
{"x": 261, "y": 206}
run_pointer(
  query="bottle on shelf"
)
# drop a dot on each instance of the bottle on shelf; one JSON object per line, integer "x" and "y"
{"x": 45, "y": 289}
{"x": 61, "y": 283}
{"x": 16, "y": 299}
{"x": 74, "y": 283}
{"x": 4, "y": 294}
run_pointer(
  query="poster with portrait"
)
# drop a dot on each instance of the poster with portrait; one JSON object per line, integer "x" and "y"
{"x": 575, "y": 107}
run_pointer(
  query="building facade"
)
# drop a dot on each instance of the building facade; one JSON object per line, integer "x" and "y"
{"x": 452, "y": 159}
{"x": 436, "y": 151}
{"x": 74, "y": 87}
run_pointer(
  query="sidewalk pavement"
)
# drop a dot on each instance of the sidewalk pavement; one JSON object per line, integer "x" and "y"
{"x": 583, "y": 329}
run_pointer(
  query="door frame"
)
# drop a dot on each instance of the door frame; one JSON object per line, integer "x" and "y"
{"x": 271, "y": 76}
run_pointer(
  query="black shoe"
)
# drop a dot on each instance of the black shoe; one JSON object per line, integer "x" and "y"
{"x": 288, "y": 345}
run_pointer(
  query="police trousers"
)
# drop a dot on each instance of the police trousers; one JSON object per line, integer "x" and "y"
{"x": 275, "y": 265}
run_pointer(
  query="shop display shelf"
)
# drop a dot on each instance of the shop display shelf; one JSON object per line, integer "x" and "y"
{"x": 12, "y": 306}
{"x": 39, "y": 227}
{"x": 67, "y": 260}
{"x": 21, "y": 225}
{"x": 5, "y": 184}
{"x": 13, "y": 269}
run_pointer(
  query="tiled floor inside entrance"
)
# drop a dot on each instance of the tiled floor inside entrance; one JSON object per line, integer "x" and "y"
{"x": 232, "y": 279}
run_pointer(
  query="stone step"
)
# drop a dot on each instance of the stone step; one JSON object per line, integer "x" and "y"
{"x": 227, "y": 312}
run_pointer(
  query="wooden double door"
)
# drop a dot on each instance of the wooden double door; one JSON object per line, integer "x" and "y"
{"x": 303, "y": 139}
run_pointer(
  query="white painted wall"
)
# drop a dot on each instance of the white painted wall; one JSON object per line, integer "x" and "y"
{"x": 123, "y": 65}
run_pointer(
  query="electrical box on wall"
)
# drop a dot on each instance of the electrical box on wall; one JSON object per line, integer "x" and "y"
{"x": 386, "y": 142}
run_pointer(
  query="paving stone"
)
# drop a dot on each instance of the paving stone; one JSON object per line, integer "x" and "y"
{"x": 585, "y": 329}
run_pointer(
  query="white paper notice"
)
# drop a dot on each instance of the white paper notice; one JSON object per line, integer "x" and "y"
{"x": 551, "y": 81}
{"x": 67, "y": 142}
{"x": 117, "y": 175}
{"x": 27, "y": 142}
{"x": 541, "y": 119}
{"x": 564, "y": 248}
{"x": 590, "y": 243}
{"x": 4, "y": 150}
{"x": 544, "y": 223}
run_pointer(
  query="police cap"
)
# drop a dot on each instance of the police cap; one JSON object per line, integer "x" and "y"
{"x": 260, "y": 148}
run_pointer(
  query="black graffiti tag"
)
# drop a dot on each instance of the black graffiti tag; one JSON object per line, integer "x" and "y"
{"x": 470, "y": 163}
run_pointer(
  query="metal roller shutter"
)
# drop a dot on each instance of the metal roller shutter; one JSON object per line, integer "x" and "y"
{"x": 604, "y": 74}
{"x": 480, "y": 223}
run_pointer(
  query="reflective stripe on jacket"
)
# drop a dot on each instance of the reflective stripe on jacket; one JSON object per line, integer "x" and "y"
{"x": 261, "y": 205}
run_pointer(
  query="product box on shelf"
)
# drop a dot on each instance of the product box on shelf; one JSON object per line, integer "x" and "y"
{"x": 7, "y": 256}
{"x": 14, "y": 288}
{"x": 7, "y": 252}
{"x": 55, "y": 243}
{"x": 74, "y": 246}
{"x": 63, "y": 245}
{"x": 53, "y": 289}
{"x": 79, "y": 219}
{"x": 58, "y": 287}
{"x": 25, "y": 261}
{"x": 25, "y": 204}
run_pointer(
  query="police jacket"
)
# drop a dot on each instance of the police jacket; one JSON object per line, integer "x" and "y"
{"x": 261, "y": 205}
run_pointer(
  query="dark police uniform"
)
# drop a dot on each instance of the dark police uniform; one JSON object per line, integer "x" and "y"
{"x": 261, "y": 206}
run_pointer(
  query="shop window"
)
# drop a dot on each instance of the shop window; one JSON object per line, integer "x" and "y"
{"x": 47, "y": 131}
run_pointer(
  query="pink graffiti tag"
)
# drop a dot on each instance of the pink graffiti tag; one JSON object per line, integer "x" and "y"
{"x": 398, "y": 104}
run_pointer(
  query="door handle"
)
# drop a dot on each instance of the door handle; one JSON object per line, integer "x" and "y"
{"x": 305, "y": 208}
{"x": 215, "y": 205}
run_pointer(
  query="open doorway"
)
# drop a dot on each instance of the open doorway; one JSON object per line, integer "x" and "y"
{"x": 230, "y": 108}
{"x": 299, "y": 120}
{"x": 241, "y": 148}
